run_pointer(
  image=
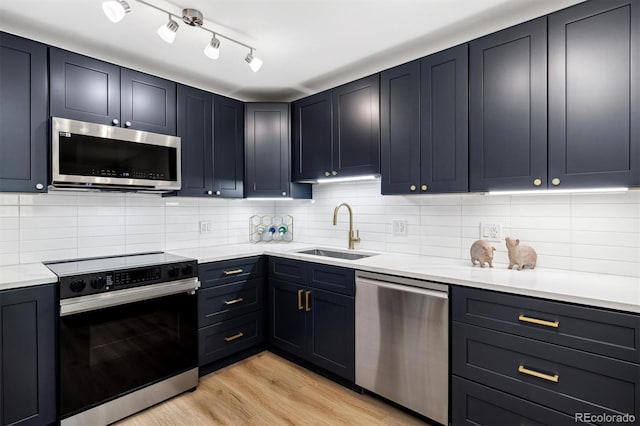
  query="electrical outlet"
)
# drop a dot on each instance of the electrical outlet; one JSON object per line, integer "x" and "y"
{"x": 491, "y": 231}
{"x": 399, "y": 227}
{"x": 205, "y": 227}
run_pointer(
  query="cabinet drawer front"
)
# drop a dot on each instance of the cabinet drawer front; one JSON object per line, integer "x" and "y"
{"x": 287, "y": 270}
{"x": 477, "y": 405}
{"x": 332, "y": 278}
{"x": 228, "y": 337}
{"x": 217, "y": 273}
{"x": 225, "y": 301}
{"x": 594, "y": 330}
{"x": 564, "y": 379}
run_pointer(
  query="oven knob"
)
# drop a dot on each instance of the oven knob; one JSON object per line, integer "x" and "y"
{"x": 173, "y": 271}
{"x": 187, "y": 269}
{"x": 77, "y": 286}
{"x": 98, "y": 283}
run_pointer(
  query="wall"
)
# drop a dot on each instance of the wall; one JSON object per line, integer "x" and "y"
{"x": 581, "y": 232}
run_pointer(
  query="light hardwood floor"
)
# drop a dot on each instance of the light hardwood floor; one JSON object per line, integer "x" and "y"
{"x": 269, "y": 390}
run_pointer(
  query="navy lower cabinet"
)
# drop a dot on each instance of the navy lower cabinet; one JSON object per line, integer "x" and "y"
{"x": 533, "y": 361}
{"x": 309, "y": 322}
{"x": 28, "y": 323}
{"x": 508, "y": 108}
{"x": 23, "y": 115}
{"x": 231, "y": 314}
{"x": 594, "y": 95}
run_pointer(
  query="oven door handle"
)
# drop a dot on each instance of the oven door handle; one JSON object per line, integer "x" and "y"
{"x": 92, "y": 302}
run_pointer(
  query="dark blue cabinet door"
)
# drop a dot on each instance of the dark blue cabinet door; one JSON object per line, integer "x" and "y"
{"x": 444, "y": 119}
{"x": 194, "y": 129}
{"x": 83, "y": 88}
{"x": 400, "y": 129}
{"x": 287, "y": 317}
{"x": 331, "y": 332}
{"x": 148, "y": 103}
{"x": 28, "y": 349}
{"x": 23, "y": 115}
{"x": 267, "y": 149}
{"x": 228, "y": 147}
{"x": 594, "y": 95}
{"x": 508, "y": 108}
{"x": 311, "y": 147}
{"x": 356, "y": 127}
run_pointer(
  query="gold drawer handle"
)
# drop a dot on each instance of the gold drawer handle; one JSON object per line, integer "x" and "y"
{"x": 300, "y": 307}
{"x": 234, "y": 301}
{"x": 307, "y": 308}
{"x": 233, "y": 272}
{"x": 553, "y": 324}
{"x": 234, "y": 337}
{"x": 524, "y": 370}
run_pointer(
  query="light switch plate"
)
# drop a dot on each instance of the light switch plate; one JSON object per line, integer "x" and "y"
{"x": 399, "y": 227}
{"x": 491, "y": 231}
{"x": 205, "y": 227}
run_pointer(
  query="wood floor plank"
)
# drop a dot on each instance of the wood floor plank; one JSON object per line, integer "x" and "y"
{"x": 267, "y": 390}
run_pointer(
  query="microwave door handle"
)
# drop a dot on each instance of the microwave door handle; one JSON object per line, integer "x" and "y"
{"x": 92, "y": 302}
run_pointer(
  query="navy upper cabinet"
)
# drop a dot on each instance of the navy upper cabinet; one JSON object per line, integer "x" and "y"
{"x": 356, "y": 127}
{"x": 212, "y": 131}
{"x": 228, "y": 147}
{"x": 337, "y": 132}
{"x": 508, "y": 108}
{"x": 594, "y": 95}
{"x": 87, "y": 89}
{"x": 311, "y": 148}
{"x": 267, "y": 149}
{"x": 423, "y": 120}
{"x": 23, "y": 115}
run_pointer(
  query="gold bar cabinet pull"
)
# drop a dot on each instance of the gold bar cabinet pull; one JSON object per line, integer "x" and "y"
{"x": 300, "y": 307}
{"x": 234, "y": 271}
{"x": 524, "y": 370}
{"x": 307, "y": 308}
{"x": 234, "y": 337}
{"x": 234, "y": 301}
{"x": 553, "y": 324}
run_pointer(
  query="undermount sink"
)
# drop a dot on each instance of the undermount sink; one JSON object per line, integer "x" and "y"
{"x": 337, "y": 254}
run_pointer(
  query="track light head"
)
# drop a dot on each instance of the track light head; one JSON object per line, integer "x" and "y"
{"x": 115, "y": 9}
{"x": 168, "y": 32}
{"x": 212, "y": 50}
{"x": 254, "y": 63}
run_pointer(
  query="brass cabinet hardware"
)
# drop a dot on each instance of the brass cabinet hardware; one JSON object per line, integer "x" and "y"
{"x": 234, "y": 271}
{"x": 412, "y": 187}
{"x": 524, "y": 318}
{"x": 537, "y": 182}
{"x": 234, "y": 301}
{"x": 555, "y": 181}
{"x": 234, "y": 337}
{"x": 524, "y": 370}
{"x": 300, "y": 307}
{"x": 424, "y": 187}
{"x": 327, "y": 174}
{"x": 307, "y": 308}
{"x": 334, "y": 173}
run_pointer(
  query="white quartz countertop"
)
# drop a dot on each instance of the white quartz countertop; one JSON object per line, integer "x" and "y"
{"x": 601, "y": 290}
{"x": 25, "y": 275}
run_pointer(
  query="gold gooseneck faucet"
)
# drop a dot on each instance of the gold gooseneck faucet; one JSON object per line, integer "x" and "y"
{"x": 354, "y": 237}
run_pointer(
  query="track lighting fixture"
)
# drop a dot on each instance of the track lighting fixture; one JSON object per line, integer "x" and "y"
{"x": 117, "y": 9}
{"x": 254, "y": 63}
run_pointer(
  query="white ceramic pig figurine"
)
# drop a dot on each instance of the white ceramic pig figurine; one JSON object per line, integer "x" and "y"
{"x": 520, "y": 255}
{"x": 482, "y": 253}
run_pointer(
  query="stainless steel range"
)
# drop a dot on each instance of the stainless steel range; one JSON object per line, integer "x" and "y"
{"x": 128, "y": 334}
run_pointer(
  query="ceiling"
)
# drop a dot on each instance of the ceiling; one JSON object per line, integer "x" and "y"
{"x": 306, "y": 45}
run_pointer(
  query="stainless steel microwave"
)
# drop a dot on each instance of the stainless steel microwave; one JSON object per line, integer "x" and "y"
{"x": 94, "y": 156}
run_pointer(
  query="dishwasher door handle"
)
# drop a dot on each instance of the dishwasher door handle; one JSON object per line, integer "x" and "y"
{"x": 403, "y": 288}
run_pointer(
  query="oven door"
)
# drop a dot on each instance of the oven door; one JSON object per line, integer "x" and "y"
{"x": 108, "y": 352}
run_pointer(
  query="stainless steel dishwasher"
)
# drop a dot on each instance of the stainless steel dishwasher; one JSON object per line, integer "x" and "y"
{"x": 402, "y": 341}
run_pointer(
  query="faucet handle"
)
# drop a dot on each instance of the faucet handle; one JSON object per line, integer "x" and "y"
{"x": 357, "y": 237}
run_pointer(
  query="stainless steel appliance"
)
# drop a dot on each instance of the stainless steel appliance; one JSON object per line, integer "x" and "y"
{"x": 402, "y": 342}
{"x": 95, "y": 156}
{"x": 127, "y": 336}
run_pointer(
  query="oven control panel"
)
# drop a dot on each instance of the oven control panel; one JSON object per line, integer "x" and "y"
{"x": 105, "y": 281}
